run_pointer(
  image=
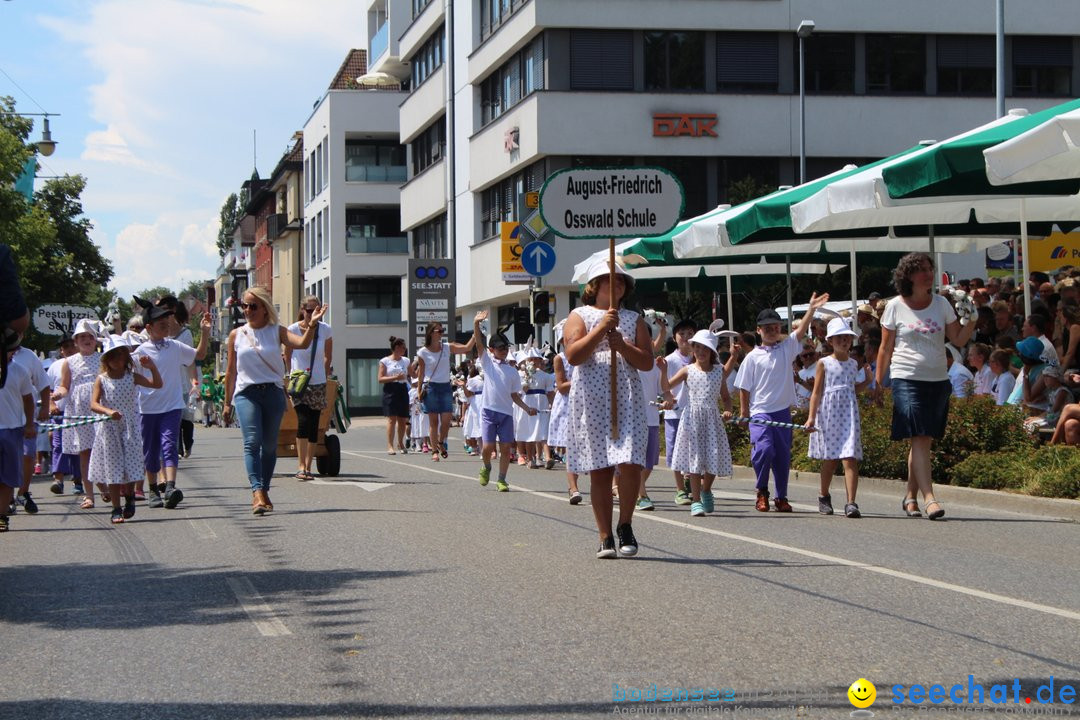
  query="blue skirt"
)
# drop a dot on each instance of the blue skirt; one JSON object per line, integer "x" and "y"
{"x": 438, "y": 398}
{"x": 920, "y": 408}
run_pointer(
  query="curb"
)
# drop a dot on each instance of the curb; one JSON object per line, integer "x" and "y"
{"x": 1064, "y": 510}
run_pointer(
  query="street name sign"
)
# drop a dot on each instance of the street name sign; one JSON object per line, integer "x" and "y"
{"x": 58, "y": 319}
{"x": 593, "y": 203}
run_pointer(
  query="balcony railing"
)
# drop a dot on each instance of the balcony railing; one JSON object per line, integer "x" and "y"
{"x": 357, "y": 242}
{"x": 376, "y": 173}
{"x": 275, "y": 225}
{"x": 373, "y": 316}
{"x": 380, "y": 42}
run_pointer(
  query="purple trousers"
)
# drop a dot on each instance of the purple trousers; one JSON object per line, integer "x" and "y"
{"x": 161, "y": 440}
{"x": 61, "y": 463}
{"x": 771, "y": 450}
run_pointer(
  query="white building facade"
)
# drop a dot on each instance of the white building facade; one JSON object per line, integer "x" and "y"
{"x": 355, "y": 254}
{"x": 502, "y": 93}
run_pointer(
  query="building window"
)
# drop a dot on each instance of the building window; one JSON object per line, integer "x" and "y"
{"x": 1042, "y": 66}
{"x": 374, "y": 230}
{"x": 830, "y": 63}
{"x": 362, "y": 388}
{"x": 965, "y": 64}
{"x": 691, "y": 173}
{"x": 498, "y": 203}
{"x": 747, "y": 62}
{"x": 674, "y": 61}
{"x": 418, "y": 7}
{"x": 307, "y": 174}
{"x": 430, "y": 240}
{"x": 515, "y": 80}
{"x": 372, "y": 300}
{"x": 744, "y": 178}
{"x": 374, "y": 161}
{"x": 895, "y": 64}
{"x": 602, "y": 60}
{"x": 494, "y": 13}
{"x": 429, "y": 146}
{"x": 428, "y": 58}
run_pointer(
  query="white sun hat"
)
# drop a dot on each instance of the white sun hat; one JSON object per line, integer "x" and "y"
{"x": 839, "y": 326}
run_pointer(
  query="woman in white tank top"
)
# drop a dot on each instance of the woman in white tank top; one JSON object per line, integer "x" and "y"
{"x": 254, "y": 385}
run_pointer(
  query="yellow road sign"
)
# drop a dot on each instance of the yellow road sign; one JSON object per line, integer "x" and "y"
{"x": 532, "y": 199}
{"x": 512, "y": 269}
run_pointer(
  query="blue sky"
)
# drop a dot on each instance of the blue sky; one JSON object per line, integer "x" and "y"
{"x": 157, "y": 101}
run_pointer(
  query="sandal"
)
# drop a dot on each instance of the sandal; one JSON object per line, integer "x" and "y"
{"x": 117, "y": 516}
{"x": 87, "y": 503}
{"x": 937, "y": 514}
{"x": 435, "y": 456}
{"x": 300, "y": 476}
{"x": 906, "y": 504}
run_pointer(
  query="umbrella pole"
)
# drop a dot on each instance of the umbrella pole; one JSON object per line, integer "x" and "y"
{"x": 933, "y": 259}
{"x": 854, "y": 287}
{"x": 730, "y": 308}
{"x": 614, "y": 366}
{"x": 1024, "y": 256}
{"x": 787, "y": 265}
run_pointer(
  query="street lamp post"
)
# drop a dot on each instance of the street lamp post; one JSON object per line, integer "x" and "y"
{"x": 805, "y": 29}
{"x": 46, "y": 145}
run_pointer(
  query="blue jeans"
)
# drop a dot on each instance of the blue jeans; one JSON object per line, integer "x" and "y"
{"x": 259, "y": 409}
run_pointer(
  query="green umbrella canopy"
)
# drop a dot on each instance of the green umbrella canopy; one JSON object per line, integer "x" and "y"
{"x": 957, "y": 166}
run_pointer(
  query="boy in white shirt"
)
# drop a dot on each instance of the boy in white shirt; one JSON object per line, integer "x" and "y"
{"x": 16, "y": 425}
{"x": 766, "y": 386}
{"x": 502, "y": 390}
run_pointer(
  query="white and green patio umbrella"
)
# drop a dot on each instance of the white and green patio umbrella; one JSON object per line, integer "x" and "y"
{"x": 1049, "y": 151}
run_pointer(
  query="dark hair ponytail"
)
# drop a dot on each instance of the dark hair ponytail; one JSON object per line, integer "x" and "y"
{"x": 395, "y": 341}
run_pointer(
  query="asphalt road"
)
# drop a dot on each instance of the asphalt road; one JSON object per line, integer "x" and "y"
{"x": 402, "y": 589}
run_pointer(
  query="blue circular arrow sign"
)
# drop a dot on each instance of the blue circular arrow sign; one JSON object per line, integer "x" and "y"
{"x": 538, "y": 258}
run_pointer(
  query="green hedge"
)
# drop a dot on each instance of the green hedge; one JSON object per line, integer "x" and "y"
{"x": 977, "y": 429}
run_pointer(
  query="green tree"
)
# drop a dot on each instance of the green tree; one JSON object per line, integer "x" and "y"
{"x": 50, "y": 237}
{"x": 747, "y": 189}
{"x": 231, "y": 212}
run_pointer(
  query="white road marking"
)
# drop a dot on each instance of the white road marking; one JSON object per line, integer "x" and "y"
{"x": 881, "y": 570}
{"x": 203, "y": 529}
{"x": 369, "y": 486}
{"x": 268, "y": 624}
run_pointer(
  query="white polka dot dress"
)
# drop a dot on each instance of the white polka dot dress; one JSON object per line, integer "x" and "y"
{"x": 590, "y": 445}
{"x": 701, "y": 445}
{"x": 118, "y": 450}
{"x": 839, "y": 431}
{"x": 560, "y": 410}
{"x": 83, "y": 369}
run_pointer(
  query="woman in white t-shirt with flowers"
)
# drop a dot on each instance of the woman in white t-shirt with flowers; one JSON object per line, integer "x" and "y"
{"x": 914, "y": 328}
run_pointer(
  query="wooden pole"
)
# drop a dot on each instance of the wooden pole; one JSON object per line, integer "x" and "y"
{"x": 614, "y": 366}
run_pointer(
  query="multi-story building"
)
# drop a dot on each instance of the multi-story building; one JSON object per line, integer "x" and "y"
{"x": 355, "y": 255}
{"x": 283, "y": 230}
{"x": 706, "y": 88}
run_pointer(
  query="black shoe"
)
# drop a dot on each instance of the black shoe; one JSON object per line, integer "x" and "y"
{"x": 77, "y": 488}
{"x": 851, "y": 510}
{"x": 154, "y": 500}
{"x": 607, "y": 550}
{"x": 627, "y": 541}
{"x": 4, "y": 524}
{"x": 824, "y": 505}
{"x": 117, "y": 516}
{"x": 129, "y": 507}
{"x": 57, "y": 488}
{"x": 28, "y": 503}
{"x": 173, "y": 498}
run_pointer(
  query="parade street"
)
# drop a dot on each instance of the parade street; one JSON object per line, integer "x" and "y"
{"x": 401, "y": 588}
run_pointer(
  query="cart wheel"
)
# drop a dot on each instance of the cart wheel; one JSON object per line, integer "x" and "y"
{"x": 330, "y": 464}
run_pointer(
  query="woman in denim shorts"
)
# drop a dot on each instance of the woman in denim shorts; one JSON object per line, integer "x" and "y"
{"x": 433, "y": 363}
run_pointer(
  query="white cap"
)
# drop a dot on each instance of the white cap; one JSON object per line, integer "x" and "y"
{"x": 706, "y": 338}
{"x": 839, "y": 326}
{"x": 599, "y": 268}
{"x": 87, "y": 325}
{"x": 114, "y": 342}
{"x": 533, "y": 353}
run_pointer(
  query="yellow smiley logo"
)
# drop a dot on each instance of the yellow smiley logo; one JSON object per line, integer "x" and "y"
{"x": 862, "y": 693}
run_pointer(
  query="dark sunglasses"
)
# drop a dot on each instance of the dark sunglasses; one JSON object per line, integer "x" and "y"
{"x": 310, "y": 310}
{"x": 249, "y": 306}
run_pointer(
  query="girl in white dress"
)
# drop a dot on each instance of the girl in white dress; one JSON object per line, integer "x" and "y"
{"x": 418, "y": 422}
{"x": 559, "y": 423}
{"x": 474, "y": 389}
{"x": 702, "y": 453}
{"x": 834, "y": 414}
{"x": 538, "y": 394}
{"x": 76, "y": 383}
{"x": 596, "y": 335}
{"x": 117, "y": 458}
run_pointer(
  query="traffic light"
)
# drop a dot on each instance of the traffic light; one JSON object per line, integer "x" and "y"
{"x": 540, "y": 314}
{"x": 523, "y": 327}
